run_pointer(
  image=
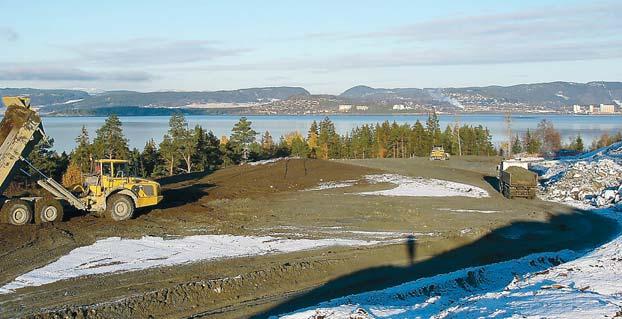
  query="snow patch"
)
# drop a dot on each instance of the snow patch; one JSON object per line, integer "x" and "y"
{"x": 433, "y": 297}
{"x": 428, "y": 187}
{"x": 333, "y": 185}
{"x": 271, "y": 161}
{"x": 115, "y": 254}
{"x": 566, "y": 284}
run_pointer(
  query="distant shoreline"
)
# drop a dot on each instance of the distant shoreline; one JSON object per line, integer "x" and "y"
{"x": 345, "y": 114}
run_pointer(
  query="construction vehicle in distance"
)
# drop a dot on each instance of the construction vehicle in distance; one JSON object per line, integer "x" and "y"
{"x": 516, "y": 180}
{"x": 438, "y": 154}
{"x": 109, "y": 192}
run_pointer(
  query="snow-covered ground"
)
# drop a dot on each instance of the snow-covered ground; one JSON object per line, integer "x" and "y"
{"x": 565, "y": 284}
{"x": 333, "y": 185}
{"x": 430, "y": 187}
{"x": 271, "y": 161}
{"x": 409, "y": 186}
{"x": 120, "y": 255}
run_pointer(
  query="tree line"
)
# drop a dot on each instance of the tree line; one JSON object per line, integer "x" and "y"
{"x": 185, "y": 149}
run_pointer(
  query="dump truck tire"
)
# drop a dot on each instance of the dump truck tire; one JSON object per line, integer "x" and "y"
{"x": 119, "y": 207}
{"x": 16, "y": 212}
{"x": 48, "y": 210}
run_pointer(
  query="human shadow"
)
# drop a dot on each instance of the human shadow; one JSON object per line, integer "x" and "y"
{"x": 576, "y": 231}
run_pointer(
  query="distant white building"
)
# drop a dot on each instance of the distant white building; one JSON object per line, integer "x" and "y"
{"x": 576, "y": 108}
{"x": 590, "y": 109}
{"x": 399, "y": 107}
{"x": 345, "y": 108}
{"x": 607, "y": 108}
{"x": 362, "y": 108}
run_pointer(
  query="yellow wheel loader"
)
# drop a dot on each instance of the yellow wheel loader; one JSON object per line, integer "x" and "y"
{"x": 110, "y": 192}
{"x": 438, "y": 154}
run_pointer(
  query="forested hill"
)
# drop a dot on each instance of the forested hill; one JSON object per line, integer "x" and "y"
{"x": 550, "y": 94}
{"x": 63, "y": 100}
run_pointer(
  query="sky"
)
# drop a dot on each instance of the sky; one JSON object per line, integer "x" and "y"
{"x": 323, "y": 46}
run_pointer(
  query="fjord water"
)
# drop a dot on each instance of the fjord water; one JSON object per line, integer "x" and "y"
{"x": 139, "y": 129}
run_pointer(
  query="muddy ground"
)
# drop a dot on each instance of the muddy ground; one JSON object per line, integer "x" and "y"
{"x": 273, "y": 199}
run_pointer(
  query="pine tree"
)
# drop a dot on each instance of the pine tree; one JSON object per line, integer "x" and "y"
{"x": 241, "y": 139}
{"x": 183, "y": 139}
{"x": 433, "y": 129}
{"x": 299, "y": 147}
{"x": 82, "y": 155}
{"x": 421, "y": 147}
{"x": 169, "y": 153}
{"x": 516, "y": 145}
{"x": 327, "y": 141}
{"x": 150, "y": 157}
{"x": 110, "y": 142}
{"x": 312, "y": 140}
{"x": 578, "y": 144}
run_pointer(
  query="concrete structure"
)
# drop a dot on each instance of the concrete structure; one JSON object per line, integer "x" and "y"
{"x": 345, "y": 108}
{"x": 362, "y": 108}
{"x": 576, "y": 108}
{"x": 607, "y": 108}
{"x": 399, "y": 107}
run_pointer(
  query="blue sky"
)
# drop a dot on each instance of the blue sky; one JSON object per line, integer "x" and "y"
{"x": 324, "y": 46}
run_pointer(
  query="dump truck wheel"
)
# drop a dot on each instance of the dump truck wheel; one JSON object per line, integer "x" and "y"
{"x": 119, "y": 207}
{"x": 48, "y": 210}
{"x": 16, "y": 212}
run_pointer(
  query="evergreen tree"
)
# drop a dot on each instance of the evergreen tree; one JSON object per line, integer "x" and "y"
{"x": 328, "y": 140}
{"x": 578, "y": 144}
{"x": 169, "y": 153}
{"x": 312, "y": 140}
{"x": 109, "y": 141}
{"x": 516, "y": 145}
{"x": 241, "y": 139}
{"x": 82, "y": 155}
{"x": 149, "y": 158}
{"x": 433, "y": 129}
{"x": 448, "y": 141}
{"x": 530, "y": 143}
{"x": 135, "y": 162}
{"x": 299, "y": 147}
{"x": 183, "y": 139}
{"x": 46, "y": 160}
{"x": 421, "y": 146}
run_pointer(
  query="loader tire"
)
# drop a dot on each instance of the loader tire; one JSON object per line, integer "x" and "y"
{"x": 48, "y": 210}
{"x": 16, "y": 212}
{"x": 119, "y": 207}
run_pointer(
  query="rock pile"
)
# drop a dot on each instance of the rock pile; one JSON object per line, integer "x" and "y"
{"x": 596, "y": 182}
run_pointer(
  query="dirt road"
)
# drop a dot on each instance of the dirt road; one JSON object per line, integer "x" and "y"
{"x": 416, "y": 236}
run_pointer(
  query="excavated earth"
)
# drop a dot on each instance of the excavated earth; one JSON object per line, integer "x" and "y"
{"x": 429, "y": 235}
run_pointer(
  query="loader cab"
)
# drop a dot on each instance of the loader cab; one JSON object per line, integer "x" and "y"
{"x": 113, "y": 173}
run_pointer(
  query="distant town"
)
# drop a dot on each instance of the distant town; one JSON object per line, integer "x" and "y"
{"x": 598, "y": 98}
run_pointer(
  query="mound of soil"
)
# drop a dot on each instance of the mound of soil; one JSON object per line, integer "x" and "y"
{"x": 247, "y": 181}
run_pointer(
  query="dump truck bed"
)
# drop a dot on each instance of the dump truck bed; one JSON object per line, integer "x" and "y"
{"x": 519, "y": 176}
{"x": 20, "y": 131}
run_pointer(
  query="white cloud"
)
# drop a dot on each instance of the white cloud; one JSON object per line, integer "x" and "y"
{"x": 8, "y": 34}
{"x": 152, "y": 52}
{"x": 44, "y": 73}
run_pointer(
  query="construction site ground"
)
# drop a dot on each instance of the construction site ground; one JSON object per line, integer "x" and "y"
{"x": 417, "y": 237}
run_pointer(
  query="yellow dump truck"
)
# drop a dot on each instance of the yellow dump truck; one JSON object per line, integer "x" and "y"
{"x": 438, "y": 154}
{"x": 109, "y": 192}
